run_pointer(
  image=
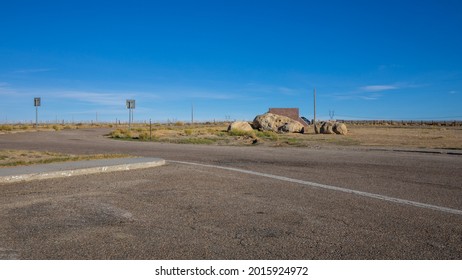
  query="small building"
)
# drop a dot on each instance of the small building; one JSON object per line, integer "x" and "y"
{"x": 293, "y": 113}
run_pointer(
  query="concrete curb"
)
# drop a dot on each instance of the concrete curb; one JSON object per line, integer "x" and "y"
{"x": 67, "y": 169}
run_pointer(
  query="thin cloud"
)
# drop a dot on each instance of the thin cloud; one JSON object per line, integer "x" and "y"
{"x": 5, "y": 89}
{"x": 114, "y": 99}
{"x": 377, "y": 88}
{"x": 372, "y": 92}
{"x": 286, "y": 90}
{"x": 356, "y": 96}
{"x": 105, "y": 99}
{"x": 370, "y": 97}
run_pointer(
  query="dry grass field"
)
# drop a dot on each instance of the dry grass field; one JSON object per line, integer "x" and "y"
{"x": 431, "y": 137}
{"x": 416, "y": 136}
{"x": 9, "y": 158}
{"x": 369, "y": 135}
{"x": 14, "y": 128}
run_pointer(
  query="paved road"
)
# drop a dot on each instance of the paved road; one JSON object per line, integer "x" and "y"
{"x": 268, "y": 203}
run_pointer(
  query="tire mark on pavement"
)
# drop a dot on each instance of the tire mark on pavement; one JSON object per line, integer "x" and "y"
{"x": 332, "y": 188}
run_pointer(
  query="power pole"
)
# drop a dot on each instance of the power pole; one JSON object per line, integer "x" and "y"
{"x": 314, "y": 111}
{"x": 331, "y": 114}
{"x": 192, "y": 113}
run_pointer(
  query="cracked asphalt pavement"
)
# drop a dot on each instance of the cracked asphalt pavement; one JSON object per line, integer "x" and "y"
{"x": 181, "y": 211}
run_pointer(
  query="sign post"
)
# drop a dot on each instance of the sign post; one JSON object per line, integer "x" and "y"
{"x": 130, "y": 106}
{"x": 37, "y": 102}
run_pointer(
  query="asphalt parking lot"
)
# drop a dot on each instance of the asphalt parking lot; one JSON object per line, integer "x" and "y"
{"x": 228, "y": 208}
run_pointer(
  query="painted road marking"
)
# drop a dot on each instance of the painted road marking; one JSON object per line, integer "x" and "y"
{"x": 332, "y": 188}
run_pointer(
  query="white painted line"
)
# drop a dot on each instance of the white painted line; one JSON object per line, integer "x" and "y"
{"x": 332, "y": 188}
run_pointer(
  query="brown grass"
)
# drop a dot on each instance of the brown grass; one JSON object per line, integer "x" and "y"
{"x": 15, "y": 128}
{"x": 417, "y": 136}
{"x": 10, "y": 158}
{"x": 408, "y": 136}
{"x": 443, "y": 135}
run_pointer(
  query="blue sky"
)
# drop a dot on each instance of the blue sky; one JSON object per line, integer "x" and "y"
{"x": 231, "y": 59}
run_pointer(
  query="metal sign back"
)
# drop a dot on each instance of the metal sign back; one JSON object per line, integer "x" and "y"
{"x": 130, "y": 104}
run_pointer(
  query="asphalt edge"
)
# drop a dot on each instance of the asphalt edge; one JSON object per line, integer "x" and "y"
{"x": 78, "y": 172}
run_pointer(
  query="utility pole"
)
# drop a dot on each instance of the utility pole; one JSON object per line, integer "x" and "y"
{"x": 314, "y": 111}
{"x": 192, "y": 113}
{"x": 331, "y": 114}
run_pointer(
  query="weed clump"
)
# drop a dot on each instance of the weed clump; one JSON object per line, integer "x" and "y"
{"x": 6, "y": 127}
{"x": 237, "y": 132}
{"x": 121, "y": 134}
{"x": 268, "y": 135}
{"x": 194, "y": 141}
{"x": 143, "y": 136}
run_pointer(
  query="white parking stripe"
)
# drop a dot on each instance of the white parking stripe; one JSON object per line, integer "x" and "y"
{"x": 333, "y": 188}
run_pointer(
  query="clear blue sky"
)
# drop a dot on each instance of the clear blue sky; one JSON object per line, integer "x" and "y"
{"x": 367, "y": 59}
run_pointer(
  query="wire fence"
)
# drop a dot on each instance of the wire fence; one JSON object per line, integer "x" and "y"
{"x": 404, "y": 122}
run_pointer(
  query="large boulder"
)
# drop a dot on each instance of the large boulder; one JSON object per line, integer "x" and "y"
{"x": 340, "y": 128}
{"x": 326, "y": 128}
{"x": 291, "y": 127}
{"x": 243, "y": 126}
{"x": 277, "y": 123}
{"x": 331, "y": 128}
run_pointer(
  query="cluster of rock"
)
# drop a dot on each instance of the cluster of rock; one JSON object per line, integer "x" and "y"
{"x": 283, "y": 124}
{"x": 331, "y": 128}
{"x": 277, "y": 123}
